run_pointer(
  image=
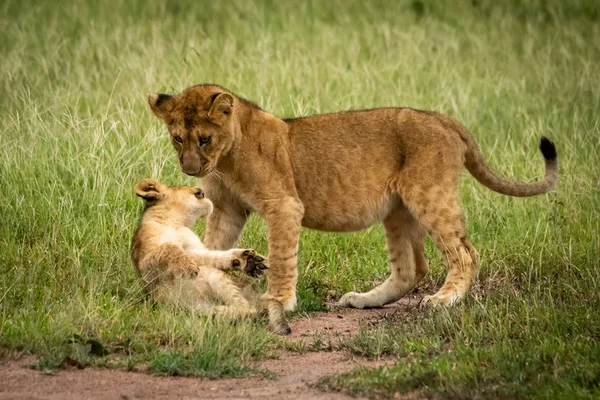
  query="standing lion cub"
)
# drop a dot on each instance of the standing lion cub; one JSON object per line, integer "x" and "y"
{"x": 337, "y": 172}
{"x": 173, "y": 263}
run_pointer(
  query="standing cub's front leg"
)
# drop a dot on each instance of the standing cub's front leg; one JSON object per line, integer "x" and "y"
{"x": 245, "y": 260}
{"x": 284, "y": 221}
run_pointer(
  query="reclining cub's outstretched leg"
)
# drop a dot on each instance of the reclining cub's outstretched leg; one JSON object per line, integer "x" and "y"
{"x": 224, "y": 289}
{"x": 404, "y": 240}
{"x": 166, "y": 262}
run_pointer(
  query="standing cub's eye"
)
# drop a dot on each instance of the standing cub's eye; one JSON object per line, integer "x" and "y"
{"x": 199, "y": 194}
{"x": 204, "y": 140}
{"x": 178, "y": 139}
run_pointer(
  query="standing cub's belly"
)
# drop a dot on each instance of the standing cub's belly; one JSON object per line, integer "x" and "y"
{"x": 347, "y": 215}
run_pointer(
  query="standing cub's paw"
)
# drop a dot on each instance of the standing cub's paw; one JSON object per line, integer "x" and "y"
{"x": 352, "y": 300}
{"x": 251, "y": 263}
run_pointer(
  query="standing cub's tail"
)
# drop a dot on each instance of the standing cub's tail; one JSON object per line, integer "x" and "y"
{"x": 477, "y": 166}
{"x": 484, "y": 174}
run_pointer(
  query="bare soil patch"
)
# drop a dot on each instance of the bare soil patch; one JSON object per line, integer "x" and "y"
{"x": 341, "y": 322}
{"x": 295, "y": 372}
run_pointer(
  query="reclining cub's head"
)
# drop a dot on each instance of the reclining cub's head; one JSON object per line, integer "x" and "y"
{"x": 179, "y": 204}
{"x": 201, "y": 121}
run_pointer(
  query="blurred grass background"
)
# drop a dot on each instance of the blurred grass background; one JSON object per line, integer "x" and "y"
{"x": 77, "y": 135}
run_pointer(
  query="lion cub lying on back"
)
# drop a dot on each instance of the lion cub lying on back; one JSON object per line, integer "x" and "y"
{"x": 174, "y": 264}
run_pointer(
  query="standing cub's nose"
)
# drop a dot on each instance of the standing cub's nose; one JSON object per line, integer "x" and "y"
{"x": 190, "y": 170}
{"x": 191, "y": 164}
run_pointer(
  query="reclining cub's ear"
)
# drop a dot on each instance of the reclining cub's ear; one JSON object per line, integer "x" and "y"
{"x": 161, "y": 104}
{"x": 221, "y": 108}
{"x": 149, "y": 189}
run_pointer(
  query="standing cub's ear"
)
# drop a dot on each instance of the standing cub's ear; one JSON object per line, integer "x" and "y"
{"x": 149, "y": 189}
{"x": 161, "y": 104}
{"x": 221, "y": 108}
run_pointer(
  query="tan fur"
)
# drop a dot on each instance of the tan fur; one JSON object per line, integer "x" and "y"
{"x": 173, "y": 263}
{"x": 336, "y": 172}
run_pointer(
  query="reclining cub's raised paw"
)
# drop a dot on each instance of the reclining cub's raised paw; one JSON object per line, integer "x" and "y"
{"x": 253, "y": 264}
{"x": 242, "y": 258}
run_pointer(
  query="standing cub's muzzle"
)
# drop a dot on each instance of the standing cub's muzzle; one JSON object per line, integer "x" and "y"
{"x": 191, "y": 168}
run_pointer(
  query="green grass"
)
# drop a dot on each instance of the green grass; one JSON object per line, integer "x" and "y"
{"x": 76, "y": 135}
{"x": 505, "y": 346}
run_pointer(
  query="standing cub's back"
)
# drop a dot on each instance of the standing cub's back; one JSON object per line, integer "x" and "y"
{"x": 172, "y": 262}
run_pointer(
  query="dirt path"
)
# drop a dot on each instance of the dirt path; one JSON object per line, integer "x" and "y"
{"x": 295, "y": 371}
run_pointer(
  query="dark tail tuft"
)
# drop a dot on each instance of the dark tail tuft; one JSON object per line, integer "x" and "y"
{"x": 548, "y": 149}
{"x": 162, "y": 98}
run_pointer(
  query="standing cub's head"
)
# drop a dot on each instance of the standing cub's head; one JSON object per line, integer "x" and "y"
{"x": 174, "y": 204}
{"x": 202, "y": 124}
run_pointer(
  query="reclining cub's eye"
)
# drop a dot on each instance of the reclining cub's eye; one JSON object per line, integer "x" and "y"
{"x": 204, "y": 140}
{"x": 178, "y": 139}
{"x": 199, "y": 195}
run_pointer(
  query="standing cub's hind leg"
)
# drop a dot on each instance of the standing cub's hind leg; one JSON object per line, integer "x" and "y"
{"x": 404, "y": 240}
{"x": 436, "y": 205}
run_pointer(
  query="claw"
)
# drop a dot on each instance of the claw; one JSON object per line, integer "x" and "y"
{"x": 245, "y": 253}
{"x": 259, "y": 258}
{"x": 236, "y": 263}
